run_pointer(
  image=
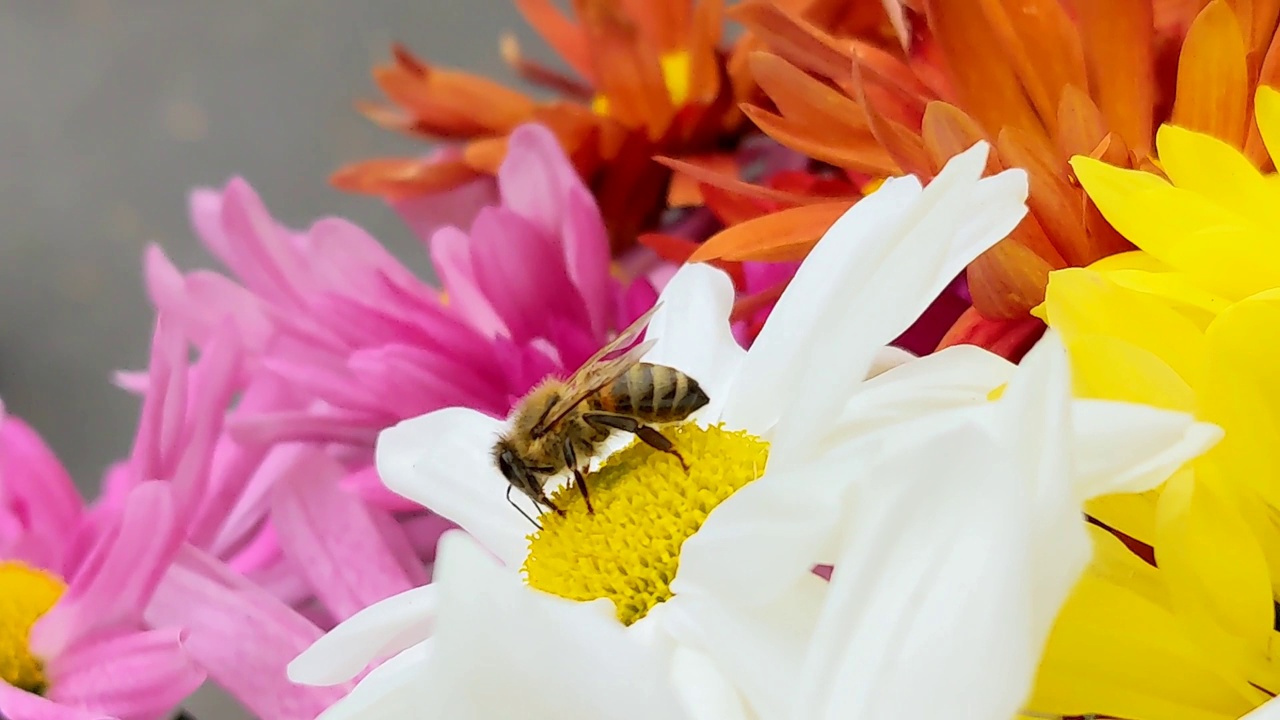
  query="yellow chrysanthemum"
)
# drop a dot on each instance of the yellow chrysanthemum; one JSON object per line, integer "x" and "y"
{"x": 1190, "y": 321}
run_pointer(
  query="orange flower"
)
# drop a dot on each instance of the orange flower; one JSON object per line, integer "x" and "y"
{"x": 653, "y": 80}
{"x": 1039, "y": 79}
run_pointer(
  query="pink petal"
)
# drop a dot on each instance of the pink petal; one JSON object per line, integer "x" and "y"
{"x": 213, "y": 387}
{"x": 521, "y": 273}
{"x": 202, "y": 301}
{"x": 535, "y": 177}
{"x": 137, "y": 676}
{"x": 334, "y": 539}
{"x": 587, "y": 257}
{"x": 345, "y": 258}
{"x": 260, "y": 251}
{"x": 425, "y": 214}
{"x": 38, "y": 501}
{"x": 119, "y": 575}
{"x": 241, "y": 636}
{"x": 452, "y": 259}
{"x": 367, "y": 486}
{"x": 18, "y": 704}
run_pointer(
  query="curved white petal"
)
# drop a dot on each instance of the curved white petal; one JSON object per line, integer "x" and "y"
{"x": 506, "y": 651}
{"x": 872, "y": 274}
{"x": 1131, "y": 448}
{"x": 933, "y": 565}
{"x": 834, "y": 270}
{"x": 441, "y": 460}
{"x": 692, "y": 330}
{"x": 703, "y": 691}
{"x": 888, "y": 358}
{"x": 399, "y": 688}
{"x": 956, "y": 377}
{"x": 380, "y": 630}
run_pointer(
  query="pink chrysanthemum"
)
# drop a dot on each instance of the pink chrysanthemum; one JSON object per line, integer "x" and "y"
{"x": 358, "y": 343}
{"x": 73, "y": 583}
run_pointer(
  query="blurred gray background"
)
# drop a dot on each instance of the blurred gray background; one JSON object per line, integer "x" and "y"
{"x": 113, "y": 110}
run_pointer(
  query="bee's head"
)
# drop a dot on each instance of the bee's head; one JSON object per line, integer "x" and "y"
{"x": 514, "y": 468}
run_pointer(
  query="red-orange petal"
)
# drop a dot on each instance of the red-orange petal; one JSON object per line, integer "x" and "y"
{"x": 983, "y": 79}
{"x": 1009, "y": 279}
{"x": 561, "y": 33}
{"x": 1052, "y": 198}
{"x": 684, "y": 190}
{"x": 1044, "y": 46}
{"x": 627, "y": 68}
{"x": 1010, "y": 339}
{"x": 787, "y": 235}
{"x": 402, "y": 177}
{"x": 1213, "y": 92}
{"x": 794, "y": 38}
{"x": 1119, "y": 47}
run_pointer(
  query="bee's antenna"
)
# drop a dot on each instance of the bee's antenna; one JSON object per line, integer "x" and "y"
{"x": 520, "y": 509}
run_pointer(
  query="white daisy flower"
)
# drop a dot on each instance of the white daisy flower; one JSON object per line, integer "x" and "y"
{"x": 732, "y": 623}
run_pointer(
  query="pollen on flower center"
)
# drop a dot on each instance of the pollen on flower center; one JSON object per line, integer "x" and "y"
{"x": 675, "y": 74}
{"x": 25, "y": 595}
{"x": 646, "y": 506}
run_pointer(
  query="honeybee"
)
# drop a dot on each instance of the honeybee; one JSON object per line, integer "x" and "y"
{"x": 562, "y": 422}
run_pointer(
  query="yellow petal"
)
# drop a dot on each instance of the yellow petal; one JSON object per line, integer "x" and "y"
{"x": 1242, "y": 392}
{"x": 1179, "y": 290}
{"x": 1082, "y": 303}
{"x": 1116, "y": 650}
{"x": 1206, "y": 165}
{"x": 1218, "y": 578}
{"x": 1220, "y": 249}
{"x": 1266, "y": 112}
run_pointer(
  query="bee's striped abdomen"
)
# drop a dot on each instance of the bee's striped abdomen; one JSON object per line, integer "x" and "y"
{"x": 655, "y": 393}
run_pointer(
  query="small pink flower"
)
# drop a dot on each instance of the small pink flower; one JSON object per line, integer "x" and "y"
{"x": 73, "y": 645}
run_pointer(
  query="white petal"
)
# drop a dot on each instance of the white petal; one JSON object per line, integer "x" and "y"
{"x": 866, "y": 281}
{"x": 959, "y": 376}
{"x": 858, "y": 240}
{"x": 703, "y": 691}
{"x": 396, "y": 689}
{"x": 506, "y": 650}
{"x": 888, "y": 358}
{"x": 378, "y": 631}
{"x": 1270, "y": 710}
{"x": 759, "y": 649}
{"x": 928, "y": 604}
{"x": 1131, "y": 448}
{"x": 441, "y": 460}
{"x": 692, "y": 329}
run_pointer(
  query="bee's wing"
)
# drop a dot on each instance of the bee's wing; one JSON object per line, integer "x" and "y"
{"x": 597, "y": 372}
{"x": 631, "y": 332}
{"x": 587, "y": 381}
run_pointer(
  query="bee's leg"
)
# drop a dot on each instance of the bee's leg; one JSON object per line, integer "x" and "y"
{"x": 649, "y": 436}
{"x": 571, "y": 460}
{"x": 520, "y": 509}
{"x": 544, "y": 500}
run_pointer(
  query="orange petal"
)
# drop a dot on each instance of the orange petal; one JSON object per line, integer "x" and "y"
{"x": 794, "y": 38}
{"x": 539, "y": 74}
{"x": 729, "y": 181}
{"x": 732, "y": 208}
{"x": 1010, "y": 339}
{"x": 1052, "y": 198}
{"x": 486, "y": 155}
{"x": 678, "y": 250}
{"x": 627, "y": 69}
{"x": 903, "y": 145}
{"x": 1081, "y": 125}
{"x": 1257, "y": 24}
{"x": 1044, "y": 46}
{"x": 1009, "y": 279}
{"x": 947, "y": 131}
{"x": 704, "y": 54}
{"x": 402, "y": 177}
{"x": 563, "y": 35}
{"x": 684, "y": 190}
{"x": 1119, "y": 48}
{"x": 857, "y": 151}
{"x": 787, "y": 235}
{"x": 664, "y": 24}
{"x": 984, "y": 81}
{"x": 1213, "y": 92}
{"x": 450, "y": 103}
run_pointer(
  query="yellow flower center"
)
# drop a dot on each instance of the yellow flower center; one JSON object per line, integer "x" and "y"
{"x": 646, "y": 506}
{"x": 675, "y": 74}
{"x": 25, "y": 595}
